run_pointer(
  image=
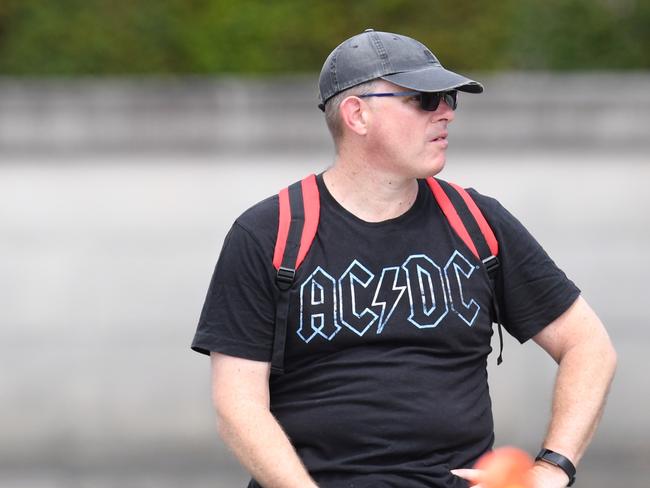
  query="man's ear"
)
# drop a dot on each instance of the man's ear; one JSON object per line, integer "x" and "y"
{"x": 354, "y": 115}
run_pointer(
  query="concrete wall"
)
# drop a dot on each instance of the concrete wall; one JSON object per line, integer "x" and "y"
{"x": 516, "y": 110}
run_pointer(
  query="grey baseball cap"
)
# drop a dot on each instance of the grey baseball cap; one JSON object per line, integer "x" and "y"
{"x": 391, "y": 57}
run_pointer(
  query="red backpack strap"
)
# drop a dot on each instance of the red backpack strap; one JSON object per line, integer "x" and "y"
{"x": 299, "y": 211}
{"x": 467, "y": 220}
{"x": 311, "y": 205}
{"x": 283, "y": 227}
{"x": 485, "y": 228}
{"x": 451, "y": 214}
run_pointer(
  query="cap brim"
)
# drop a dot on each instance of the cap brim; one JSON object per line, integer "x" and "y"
{"x": 434, "y": 79}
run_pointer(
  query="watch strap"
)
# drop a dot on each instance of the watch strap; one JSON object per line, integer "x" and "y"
{"x": 557, "y": 459}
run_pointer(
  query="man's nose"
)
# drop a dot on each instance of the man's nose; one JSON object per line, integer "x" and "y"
{"x": 444, "y": 111}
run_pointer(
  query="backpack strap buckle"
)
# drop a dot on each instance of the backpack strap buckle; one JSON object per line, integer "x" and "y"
{"x": 491, "y": 264}
{"x": 284, "y": 278}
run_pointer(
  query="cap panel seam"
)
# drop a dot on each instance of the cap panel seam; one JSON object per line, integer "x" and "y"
{"x": 381, "y": 51}
{"x": 333, "y": 70}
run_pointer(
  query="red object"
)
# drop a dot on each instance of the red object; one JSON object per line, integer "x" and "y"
{"x": 451, "y": 214}
{"x": 311, "y": 204}
{"x": 486, "y": 230}
{"x": 283, "y": 228}
{"x": 311, "y": 209}
{"x": 505, "y": 467}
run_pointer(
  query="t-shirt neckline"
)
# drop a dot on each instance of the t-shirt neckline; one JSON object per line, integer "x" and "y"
{"x": 327, "y": 198}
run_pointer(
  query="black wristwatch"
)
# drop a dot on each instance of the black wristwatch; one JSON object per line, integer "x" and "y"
{"x": 562, "y": 462}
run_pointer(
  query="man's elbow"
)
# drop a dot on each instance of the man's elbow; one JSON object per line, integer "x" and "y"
{"x": 227, "y": 418}
{"x": 234, "y": 414}
{"x": 606, "y": 352}
{"x": 225, "y": 429}
{"x": 595, "y": 348}
{"x": 602, "y": 350}
{"x": 597, "y": 343}
{"x": 227, "y": 410}
{"x": 610, "y": 356}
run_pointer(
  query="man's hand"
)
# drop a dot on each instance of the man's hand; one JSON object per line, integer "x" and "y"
{"x": 504, "y": 467}
{"x": 471, "y": 475}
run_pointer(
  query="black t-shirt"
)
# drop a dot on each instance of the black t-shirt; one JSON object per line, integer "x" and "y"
{"x": 388, "y": 335}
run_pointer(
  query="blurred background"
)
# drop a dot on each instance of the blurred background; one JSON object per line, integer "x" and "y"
{"x": 133, "y": 133}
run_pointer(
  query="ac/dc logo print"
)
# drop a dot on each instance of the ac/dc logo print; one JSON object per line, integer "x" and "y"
{"x": 328, "y": 305}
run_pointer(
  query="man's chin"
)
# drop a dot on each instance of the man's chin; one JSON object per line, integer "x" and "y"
{"x": 436, "y": 166}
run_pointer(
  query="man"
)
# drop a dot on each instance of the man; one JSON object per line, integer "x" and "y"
{"x": 385, "y": 381}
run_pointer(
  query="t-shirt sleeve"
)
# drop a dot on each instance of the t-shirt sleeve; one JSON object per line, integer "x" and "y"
{"x": 532, "y": 291}
{"x": 239, "y": 311}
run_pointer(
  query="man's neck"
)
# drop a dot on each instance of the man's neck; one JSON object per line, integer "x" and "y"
{"x": 370, "y": 195}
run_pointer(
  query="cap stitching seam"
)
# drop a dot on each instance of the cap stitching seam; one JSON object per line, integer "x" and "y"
{"x": 383, "y": 55}
{"x": 333, "y": 71}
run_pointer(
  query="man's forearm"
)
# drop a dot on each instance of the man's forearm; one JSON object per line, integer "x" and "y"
{"x": 583, "y": 379}
{"x": 263, "y": 448}
{"x": 579, "y": 343}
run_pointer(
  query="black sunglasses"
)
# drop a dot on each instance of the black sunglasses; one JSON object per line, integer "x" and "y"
{"x": 428, "y": 100}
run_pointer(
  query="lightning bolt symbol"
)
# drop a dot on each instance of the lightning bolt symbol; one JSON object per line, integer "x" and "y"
{"x": 387, "y": 296}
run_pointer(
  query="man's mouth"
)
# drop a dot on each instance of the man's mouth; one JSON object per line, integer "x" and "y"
{"x": 441, "y": 137}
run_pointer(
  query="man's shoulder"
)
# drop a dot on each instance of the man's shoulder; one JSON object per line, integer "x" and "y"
{"x": 261, "y": 219}
{"x": 485, "y": 202}
{"x": 491, "y": 208}
{"x": 503, "y": 223}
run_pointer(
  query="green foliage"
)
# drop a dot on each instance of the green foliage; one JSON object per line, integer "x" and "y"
{"x": 72, "y": 37}
{"x": 583, "y": 34}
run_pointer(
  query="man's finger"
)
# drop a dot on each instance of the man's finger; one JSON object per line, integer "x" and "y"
{"x": 473, "y": 475}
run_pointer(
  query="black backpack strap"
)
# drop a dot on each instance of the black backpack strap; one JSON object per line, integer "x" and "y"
{"x": 299, "y": 209}
{"x": 468, "y": 222}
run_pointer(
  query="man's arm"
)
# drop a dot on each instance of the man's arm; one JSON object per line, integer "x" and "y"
{"x": 240, "y": 394}
{"x": 578, "y": 342}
